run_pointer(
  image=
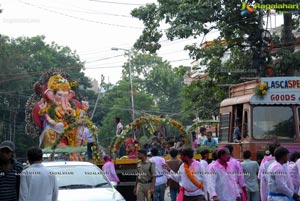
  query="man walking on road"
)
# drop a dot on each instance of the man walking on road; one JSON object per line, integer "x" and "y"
{"x": 145, "y": 180}
{"x": 221, "y": 182}
{"x": 10, "y": 171}
{"x": 174, "y": 164}
{"x": 37, "y": 183}
{"x": 250, "y": 169}
{"x": 161, "y": 178}
{"x": 278, "y": 187}
{"x": 191, "y": 177}
{"x": 238, "y": 171}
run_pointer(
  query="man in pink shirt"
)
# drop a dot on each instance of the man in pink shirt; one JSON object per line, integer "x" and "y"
{"x": 109, "y": 170}
{"x": 278, "y": 185}
{"x": 221, "y": 182}
{"x": 262, "y": 172}
{"x": 238, "y": 170}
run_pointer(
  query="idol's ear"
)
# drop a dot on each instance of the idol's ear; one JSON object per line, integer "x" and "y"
{"x": 71, "y": 95}
{"x": 49, "y": 94}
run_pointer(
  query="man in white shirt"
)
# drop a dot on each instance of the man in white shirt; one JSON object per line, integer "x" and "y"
{"x": 201, "y": 136}
{"x": 88, "y": 135}
{"x": 161, "y": 178}
{"x": 294, "y": 170}
{"x": 278, "y": 184}
{"x": 119, "y": 126}
{"x": 204, "y": 157}
{"x": 37, "y": 184}
{"x": 194, "y": 188}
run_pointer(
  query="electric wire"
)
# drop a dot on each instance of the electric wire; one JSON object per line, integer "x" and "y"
{"x": 119, "y": 3}
{"x": 80, "y": 18}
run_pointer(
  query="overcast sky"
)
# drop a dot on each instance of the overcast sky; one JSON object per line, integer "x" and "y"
{"x": 91, "y": 27}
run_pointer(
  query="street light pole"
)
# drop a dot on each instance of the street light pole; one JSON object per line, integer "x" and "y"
{"x": 130, "y": 77}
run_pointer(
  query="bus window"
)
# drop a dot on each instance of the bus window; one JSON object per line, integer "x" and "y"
{"x": 224, "y": 127}
{"x": 273, "y": 122}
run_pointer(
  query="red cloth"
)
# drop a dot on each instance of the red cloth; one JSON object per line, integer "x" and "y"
{"x": 36, "y": 117}
{"x": 244, "y": 194}
{"x": 181, "y": 194}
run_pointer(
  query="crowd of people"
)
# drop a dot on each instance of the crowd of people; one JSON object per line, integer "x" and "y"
{"x": 224, "y": 178}
{"x": 166, "y": 144}
{"x": 217, "y": 178}
{"x": 34, "y": 183}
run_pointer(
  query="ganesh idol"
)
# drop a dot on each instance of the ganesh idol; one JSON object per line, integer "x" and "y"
{"x": 56, "y": 111}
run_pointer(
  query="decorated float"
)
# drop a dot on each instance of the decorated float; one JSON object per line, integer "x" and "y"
{"x": 55, "y": 115}
{"x": 151, "y": 123}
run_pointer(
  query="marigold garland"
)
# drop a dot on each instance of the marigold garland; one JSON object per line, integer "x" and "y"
{"x": 191, "y": 176}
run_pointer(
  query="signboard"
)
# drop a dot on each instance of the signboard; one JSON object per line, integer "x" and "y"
{"x": 281, "y": 90}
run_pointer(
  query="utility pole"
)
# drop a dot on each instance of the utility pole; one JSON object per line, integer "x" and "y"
{"x": 15, "y": 117}
{"x": 98, "y": 97}
{"x": 130, "y": 77}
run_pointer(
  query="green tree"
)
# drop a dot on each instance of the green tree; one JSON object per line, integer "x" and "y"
{"x": 240, "y": 36}
{"x": 157, "y": 78}
{"x": 157, "y": 89}
{"x": 195, "y": 18}
{"x": 116, "y": 103}
{"x": 199, "y": 19}
{"x": 200, "y": 101}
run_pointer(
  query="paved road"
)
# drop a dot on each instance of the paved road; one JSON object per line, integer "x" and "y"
{"x": 167, "y": 195}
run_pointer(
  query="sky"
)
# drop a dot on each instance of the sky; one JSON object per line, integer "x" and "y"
{"x": 91, "y": 28}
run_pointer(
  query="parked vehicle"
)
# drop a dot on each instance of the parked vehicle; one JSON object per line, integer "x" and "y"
{"x": 82, "y": 181}
{"x": 268, "y": 110}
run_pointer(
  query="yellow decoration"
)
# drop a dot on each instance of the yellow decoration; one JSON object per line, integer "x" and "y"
{"x": 73, "y": 84}
{"x": 50, "y": 138}
{"x": 58, "y": 83}
{"x": 261, "y": 89}
{"x": 71, "y": 135}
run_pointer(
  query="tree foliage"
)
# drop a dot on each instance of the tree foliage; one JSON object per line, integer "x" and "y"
{"x": 240, "y": 37}
{"x": 156, "y": 87}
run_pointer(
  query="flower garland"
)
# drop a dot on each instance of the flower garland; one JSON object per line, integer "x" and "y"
{"x": 191, "y": 176}
{"x": 261, "y": 89}
{"x": 203, "y": 123}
